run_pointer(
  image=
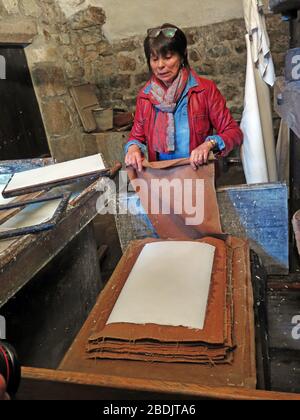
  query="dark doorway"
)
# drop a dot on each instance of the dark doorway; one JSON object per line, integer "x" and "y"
{"x": 22, "y": 133}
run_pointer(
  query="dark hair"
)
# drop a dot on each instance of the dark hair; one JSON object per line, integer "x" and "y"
{"x": 162, "y": 45}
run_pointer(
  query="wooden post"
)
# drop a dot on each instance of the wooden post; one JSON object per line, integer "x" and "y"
{"x": 294, "y": 143}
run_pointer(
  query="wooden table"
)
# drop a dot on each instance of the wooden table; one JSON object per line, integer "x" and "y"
{"x": 49, "y": 282}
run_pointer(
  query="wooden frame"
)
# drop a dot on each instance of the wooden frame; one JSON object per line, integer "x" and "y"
{"x": 44, "y": 384}
{"x": 69, "y": 175}
{"x": 11, "y": 233}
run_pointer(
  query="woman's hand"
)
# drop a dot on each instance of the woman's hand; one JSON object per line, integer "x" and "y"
{"x": 199, "y": 156}
{"x": 134, "y": 158}
{"x": 3, "y": 394}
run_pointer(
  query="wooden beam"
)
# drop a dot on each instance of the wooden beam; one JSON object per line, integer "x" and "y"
{"x": 17, "y": 30}
{"x": 39, "y": 384}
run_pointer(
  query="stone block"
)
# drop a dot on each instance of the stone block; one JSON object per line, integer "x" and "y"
{"x": 31, "y": 8}
{"x": 126, "y": 63}
{"x": 18, "y": 30}
{"x": 92, "y": 16}
{"x": 56, "y": 117}
{"x": 66, "y": 148}
{"x": 126, "y": 45}
{"x": 74, "y": 71}
{"x": 110, "y": 144}
{"x": 115, "y": 81}
{"x": 89, "y": 37}
{"x": 141, "y": 78}
{"x": 11, "y": 6}
{"x": 49, "y": 80}
{"x": 104, "y": 48}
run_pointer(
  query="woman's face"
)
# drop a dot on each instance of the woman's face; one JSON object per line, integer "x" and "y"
{"x": 167, "y": 67}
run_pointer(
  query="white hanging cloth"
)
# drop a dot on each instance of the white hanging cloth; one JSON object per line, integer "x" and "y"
{"x": 258, "y": 150}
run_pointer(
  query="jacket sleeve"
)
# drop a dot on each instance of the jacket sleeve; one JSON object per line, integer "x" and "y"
{"x": 137, "y": 133}
{"x": 226, "y": 127}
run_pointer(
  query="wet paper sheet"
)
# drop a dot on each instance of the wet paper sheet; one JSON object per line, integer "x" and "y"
{"x": 168, "y": 285}
{"x": 152, "y": 341}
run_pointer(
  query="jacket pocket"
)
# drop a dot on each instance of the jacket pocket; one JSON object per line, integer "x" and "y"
{"x": 202, "y": 126}
{"x": 201, "y": 123}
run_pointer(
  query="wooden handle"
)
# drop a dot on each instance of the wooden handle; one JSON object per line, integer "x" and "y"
{"x": 115, "y": 169}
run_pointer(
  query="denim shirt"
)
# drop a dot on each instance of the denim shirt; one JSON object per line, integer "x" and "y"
{"x": 182, "y": 129}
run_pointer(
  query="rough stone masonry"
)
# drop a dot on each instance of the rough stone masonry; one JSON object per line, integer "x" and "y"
{"x": 67, "y": 51}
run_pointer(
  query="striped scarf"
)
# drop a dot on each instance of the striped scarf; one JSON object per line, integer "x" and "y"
{"x": 165, "y": 101}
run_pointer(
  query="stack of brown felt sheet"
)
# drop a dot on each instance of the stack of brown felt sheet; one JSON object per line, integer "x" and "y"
{"x": 227, "y": 337}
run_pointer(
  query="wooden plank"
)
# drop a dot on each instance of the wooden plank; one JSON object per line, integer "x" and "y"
{"x": 31, "y": 253}
{"x": 53, "y": 384}
{"x": 85, "y": 101}
{"x": 55, "y": 175}
{"x": 28, "y": 200}
{"x": 15, "y": 206}
{"x": 257, "y": 212}
{"x": 19, "y": 227}
{"x": 283, "y": 153}
{"x": 284, "y": 318}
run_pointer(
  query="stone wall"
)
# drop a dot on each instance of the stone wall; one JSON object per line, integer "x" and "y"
{"x": 217, "y": 52}
{"x": 72, "y": 50}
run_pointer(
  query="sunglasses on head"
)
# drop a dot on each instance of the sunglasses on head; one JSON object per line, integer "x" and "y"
{"x": 167, "y": 32}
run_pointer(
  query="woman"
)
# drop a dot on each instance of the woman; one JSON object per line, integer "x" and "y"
{"x": 177, "y": 110}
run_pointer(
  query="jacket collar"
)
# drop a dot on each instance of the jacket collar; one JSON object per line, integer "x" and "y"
{"x": 194, "y": 85}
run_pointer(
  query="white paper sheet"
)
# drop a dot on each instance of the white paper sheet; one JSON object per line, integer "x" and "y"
{"x": 253, "y": 149}
{"x": 32, "y": 215}
{"x": 168, "y": 285}
{"x": 57, "y": 172}
{"x": 258, "y": 150}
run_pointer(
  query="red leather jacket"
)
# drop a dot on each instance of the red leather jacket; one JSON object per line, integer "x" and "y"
{"x": 206, "y": 111}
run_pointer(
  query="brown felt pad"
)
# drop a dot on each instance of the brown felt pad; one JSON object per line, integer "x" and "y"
{"x": 174, "y": 225}
{"x": 213, "y": 331}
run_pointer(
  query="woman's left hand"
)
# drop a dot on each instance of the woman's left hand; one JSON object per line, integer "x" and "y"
{"x": 199, "y": 156}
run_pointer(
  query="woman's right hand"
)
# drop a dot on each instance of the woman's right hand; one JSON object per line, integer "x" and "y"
{"x": 134, "y": 158}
